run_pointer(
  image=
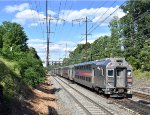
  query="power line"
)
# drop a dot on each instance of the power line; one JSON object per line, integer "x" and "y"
{"x": 100, "y": 5}
{"x": 71, "y": 5}
{"x": 104, "y": 12}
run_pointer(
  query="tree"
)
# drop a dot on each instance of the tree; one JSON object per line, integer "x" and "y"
{"x": 100, "y": 48}
{"x": 135, "y": 28}
{"x": 145, "y": 56}
{"x": 14, "y": 37}
{"x": 115, "y": 39}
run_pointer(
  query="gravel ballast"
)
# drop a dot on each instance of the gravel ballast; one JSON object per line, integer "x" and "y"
{"x": 66, "y": 104}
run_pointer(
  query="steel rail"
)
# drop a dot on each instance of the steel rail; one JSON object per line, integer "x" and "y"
{"x": 90, "y": 100}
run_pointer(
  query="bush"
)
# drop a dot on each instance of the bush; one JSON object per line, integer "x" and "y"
{"x": 31, "y": 70}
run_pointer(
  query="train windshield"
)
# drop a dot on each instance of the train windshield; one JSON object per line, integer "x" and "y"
{"x": 110, "y": 73}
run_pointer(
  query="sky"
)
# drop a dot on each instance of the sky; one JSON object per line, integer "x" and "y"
{"x": 67, "y": 22}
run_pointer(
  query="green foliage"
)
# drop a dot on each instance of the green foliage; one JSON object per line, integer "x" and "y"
{"x": 135, "y": 29}
{"x": 145, "y": 56}
{"x": 13, "y": 46}
{"x": 14, "y": 38}
{"x": 8, "y": 79}
{"x": 139, "y": 74}
{"x": 31, "y": 69}
{"x": 32, "y": 76}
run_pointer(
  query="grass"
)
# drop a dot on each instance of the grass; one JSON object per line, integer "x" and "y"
{"x": 139, "y": 74}
{"x": 12, "y": 65}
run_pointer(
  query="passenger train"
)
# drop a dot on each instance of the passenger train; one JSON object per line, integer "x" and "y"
{"x": 111, "y": 76}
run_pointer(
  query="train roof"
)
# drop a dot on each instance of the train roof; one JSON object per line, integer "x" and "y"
{"x": 91, "y": 62}
{"x": 100, "y": 62}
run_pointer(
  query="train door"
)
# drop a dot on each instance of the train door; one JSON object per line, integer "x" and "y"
{"x": 120, "y": 77}
{"x": 99, "y": 76}
{"x": 71, "y": 73}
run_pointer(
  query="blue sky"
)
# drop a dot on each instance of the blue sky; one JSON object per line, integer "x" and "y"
{"x": 31, "y": 15}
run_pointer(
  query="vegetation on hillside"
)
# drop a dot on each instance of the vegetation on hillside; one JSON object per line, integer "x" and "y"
{"x": 20, "y": 66}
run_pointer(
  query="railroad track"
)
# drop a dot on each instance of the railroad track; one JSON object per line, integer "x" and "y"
{"x": 140, "y": 108}
{"x": 90, "y": 107}
{"x": 129, "y": 105}
{"x": 142, "y": 95}
{"x": 102, "y": 103}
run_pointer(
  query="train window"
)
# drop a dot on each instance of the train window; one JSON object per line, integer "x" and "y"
{"x": 129, "y": 72}
{"x": 120, "y": 61}
{"x": 119, "y": 72}
{"x": 85, "y": 67}
{"x": 111, "y": 73}
{"x": 89, "y": 67}
{"x": 83, "y": 78}
{"x": 89, "y": 79}
{"x": 86, "y": 78}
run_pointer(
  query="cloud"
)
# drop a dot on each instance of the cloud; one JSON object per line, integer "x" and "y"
{"x": 14, "y": 8}
{"x": 84, "y": 41}
{"x": 33, "y": 24}
{"x": 96, "y": 14}
{"x": 33, "y": 18}
{"x": 40, "y": 45}
{"x": 52, "y": 13}
{"x": 95, "y": 36}
{"x": 28, "y": 15}
{"x": 36, "y": 40}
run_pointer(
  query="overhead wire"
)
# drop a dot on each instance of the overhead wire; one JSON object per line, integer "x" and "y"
{"x": 33, "y": 13}
{"x": 101, "y": 16}
{"x": 104, "y": 13}
{"x": 141, "y": 17}
{"x": 39, "y": 19}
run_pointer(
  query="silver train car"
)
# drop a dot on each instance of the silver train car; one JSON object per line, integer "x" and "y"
{"x": 111, "y": 76}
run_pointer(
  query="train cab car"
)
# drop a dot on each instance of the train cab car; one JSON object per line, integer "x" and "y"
{"x": 113, "y": 76}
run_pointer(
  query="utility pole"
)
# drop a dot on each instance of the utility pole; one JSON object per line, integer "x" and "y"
{"x": 47, "y": 51}
{"x": 86, "y": 30}
{"x": 48, "y": 23}
{"x": 86, "y": 20}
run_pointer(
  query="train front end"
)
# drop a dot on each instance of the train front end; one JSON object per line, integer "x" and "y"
{"x": 119, "y": 78}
